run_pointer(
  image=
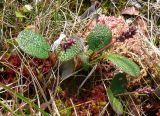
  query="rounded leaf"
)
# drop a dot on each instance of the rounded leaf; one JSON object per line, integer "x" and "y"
{"x": 99, "y": 37}
{"x": 70, "y": 53}
{"x": 118, "y": 83}
{"x": 33, "y": 44}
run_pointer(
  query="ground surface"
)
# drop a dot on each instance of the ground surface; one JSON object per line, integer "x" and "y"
{"x": 34, "y": 86}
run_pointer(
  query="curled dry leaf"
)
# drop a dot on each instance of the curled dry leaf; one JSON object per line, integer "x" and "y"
{"x": 34, "y": 28}
{"x": 130, "y": 11}
{"x": 95, "y": 5}
{"x": 142, "y": 25}
{"x": 135, "y": 3}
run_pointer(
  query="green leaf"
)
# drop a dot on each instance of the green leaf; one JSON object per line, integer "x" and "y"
{"x": 125, "y": 64}
{"x": 27, "y": 100}
{"x": 115, "y": 103}
{"x": 71, "y": 52}
{"x": 85, "y": 61}
{"x": 118, "y": 83}
{"x": 33, "y": 44}
{"x": 99, "y": 37}
{"x": 19, "y": 14}
{"x": 57, "y": 16}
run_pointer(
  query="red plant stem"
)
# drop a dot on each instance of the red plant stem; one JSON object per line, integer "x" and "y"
{"x": 53, "y": 58}
{"x": 96, "y": 54}
{"x": 105, "y": 47}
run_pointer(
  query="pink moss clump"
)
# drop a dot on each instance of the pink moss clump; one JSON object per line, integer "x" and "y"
{"x": 117, "y": 25}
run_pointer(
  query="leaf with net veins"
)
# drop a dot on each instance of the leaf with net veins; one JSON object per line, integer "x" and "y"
{"x": 99, "y": 37}
{"x": 118, "y": 83}
{"x": 70, "y": 52}
{"x": 124, "y": 64}
{"x": 115, "y": 103}
{"x": 33, "y": 44}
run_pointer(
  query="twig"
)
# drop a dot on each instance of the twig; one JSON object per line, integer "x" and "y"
{"x": 93, "y": 69}
{"x": 101, "y": 50}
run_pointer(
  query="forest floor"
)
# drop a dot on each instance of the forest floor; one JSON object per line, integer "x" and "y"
{"x": 92, "y": 83}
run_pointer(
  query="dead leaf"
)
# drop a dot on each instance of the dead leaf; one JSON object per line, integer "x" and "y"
{"x": 45, "y": 105}
{"x": 53, "y": 58}
{"x": 130, "y": 11}
{"x": 67, "y": 68}
{"x": 77, "y": 62}
{"x": 32, "y": 27}
{"x": 142, "y": 25}
{"x": 27, "y": 8}
{"x": 135, "y": 3}
{"x": 90, "y": 10}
